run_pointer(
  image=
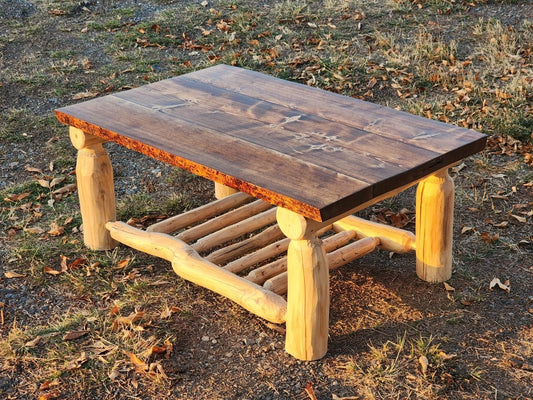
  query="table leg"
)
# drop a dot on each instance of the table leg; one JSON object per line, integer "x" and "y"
{"x": 96, "y": 193}
{"x": 222, "y": 191}
{"x": 434, "y": 227}
{"x": 308, "y": 287}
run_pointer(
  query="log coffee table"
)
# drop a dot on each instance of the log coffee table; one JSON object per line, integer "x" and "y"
{"x": 290, "y": 164}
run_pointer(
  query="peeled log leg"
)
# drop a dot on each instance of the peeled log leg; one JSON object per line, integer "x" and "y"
{"x": 308, "y": 288}
{"x": 434, "y": 227}
{"x": 222, "y": 191}
{"x": 94, "y": 176}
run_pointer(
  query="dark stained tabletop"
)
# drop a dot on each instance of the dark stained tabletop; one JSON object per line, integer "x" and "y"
{"x": 314, "y": 152}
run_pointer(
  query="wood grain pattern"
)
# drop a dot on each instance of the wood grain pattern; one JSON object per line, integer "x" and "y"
{"x": 314, "y": 152}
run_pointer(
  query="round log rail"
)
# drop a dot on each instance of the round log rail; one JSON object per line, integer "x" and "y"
{"x": 259, "y": 248}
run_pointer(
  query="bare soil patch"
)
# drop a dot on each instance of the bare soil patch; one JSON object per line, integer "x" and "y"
{"x": 81, "y": 324}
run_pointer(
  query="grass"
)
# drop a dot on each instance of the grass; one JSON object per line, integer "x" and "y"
{"x": 435, "y": 58}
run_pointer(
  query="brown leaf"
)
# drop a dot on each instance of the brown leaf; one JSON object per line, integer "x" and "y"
{"x": 519, "y": 218}
{"x": 122, "y": 264}
{"x": 140, "y": 366}
{"x": 84, "y": 95}
{"x": 13, "y": 274}
{"x": 17, "y": 197}
{"x": 46, "y": 385}
{"x": 56, "y": 230}
{"x": 310, "y": 391}
{"x": 65, "y": 189}
{"x": 56, "y": 11}
{"x": 77, "y": 363}
{"x": 51, "y": 271}
{"x": 115, "y": 310}
{"x": 64, "y": 263}
{"x": 114, "y": 374}
{"x": 488, "y": 238}
{"x": 50, "y": 395}
{"x": 76, "y": 264}
{"x": 448, "y": 287}
{"x": 55, "y": 181}
{"x": 44, "y": 183}
{"x": 34, "y": 230}
{"x": 130, "y": 319}
{"x": 34, "y": 342}
{"x": 167, "y": 312}
{"x": 72, "y": 335}
{"x": 424, "y": 363}
{"x": 443, "y": 356}
{"x": 496, "y": 282}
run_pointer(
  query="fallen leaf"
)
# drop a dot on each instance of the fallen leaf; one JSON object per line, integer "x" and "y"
{"x": 44, "y": 183}
{"x": 448, "y": 287}
{"x": 488, "y": 238}
{"x": 84, "y": 95}
{"x": 122, "y": 264}
{"x": 77, "y": 363}
{"x": 519, "y": 218}
{"x": 72, "y": 335}
{"x": 46, "y": 385}
{"x": 310, "y": 391}
{"x": 496, "y": 282}
{"x": 64, "y": 263}
{"x": 56, "y": 230}
{"x": 167, "y": 312}
{"x": 56, "y": 11}
{"x": 466, "y": 229}
{"x": 17, "y": 197}
{"x": 130, "y": 319}
{"x": 56, "y": 181}
{"x": 34, "y": 342}
{"x": 34, "y": 230}
{"x": 13, "y": 274}
{"x": 140, "y": 366}
{"x": 100, "y": 348}
{"x": 443, "y": 356}
{"x": 424, "y": 363}
{"x": 50, "y": 395}
{"x": 114, "y": 374}
{"x": 51, "y": 271}
{"x": 114, "y": 310}
{"x": 65, "y": 189}
{"x": 502, "y": 224}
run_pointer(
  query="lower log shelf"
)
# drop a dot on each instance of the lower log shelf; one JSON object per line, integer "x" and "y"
{"x": 234, "y": 247}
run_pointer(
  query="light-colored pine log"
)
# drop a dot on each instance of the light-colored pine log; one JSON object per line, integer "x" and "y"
{"x": 391, "y": 238}
{"x": 81, "y": 140}
{"x": 434, "y": 227}
{"x": 222, "y": 191}
{"x": 267, "y": 271}
{"x": 234, "y": 231}
{"x": 336, "y": 259}
{"x": 270, "y": 251}
{"x": 352, "y": 251}
{"x": 190, "y": 266}
{"x": 200, "y": 214}
{"x": 224, "y": 220}
{"x": 266, "y": 237}
{"x": 308, "y": 280}
{"x": 96, "y": 193}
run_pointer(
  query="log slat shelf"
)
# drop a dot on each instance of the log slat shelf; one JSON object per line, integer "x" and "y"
{"x": 291, "y": 164}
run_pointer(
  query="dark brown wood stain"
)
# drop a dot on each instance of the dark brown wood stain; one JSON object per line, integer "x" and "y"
{"x": 314, "y": 152}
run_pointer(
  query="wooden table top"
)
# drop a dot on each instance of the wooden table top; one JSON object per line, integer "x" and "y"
{"x": 311, "y": 151}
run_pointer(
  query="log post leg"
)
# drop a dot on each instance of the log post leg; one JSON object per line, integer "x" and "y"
{"x": 96, "y": 193}
{"x": 223, "y": 191}
{"x": 434, "y": 227}
{"x": 308, "y": 287}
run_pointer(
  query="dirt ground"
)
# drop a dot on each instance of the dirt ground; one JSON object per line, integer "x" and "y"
{"x": 392, "y": 336}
